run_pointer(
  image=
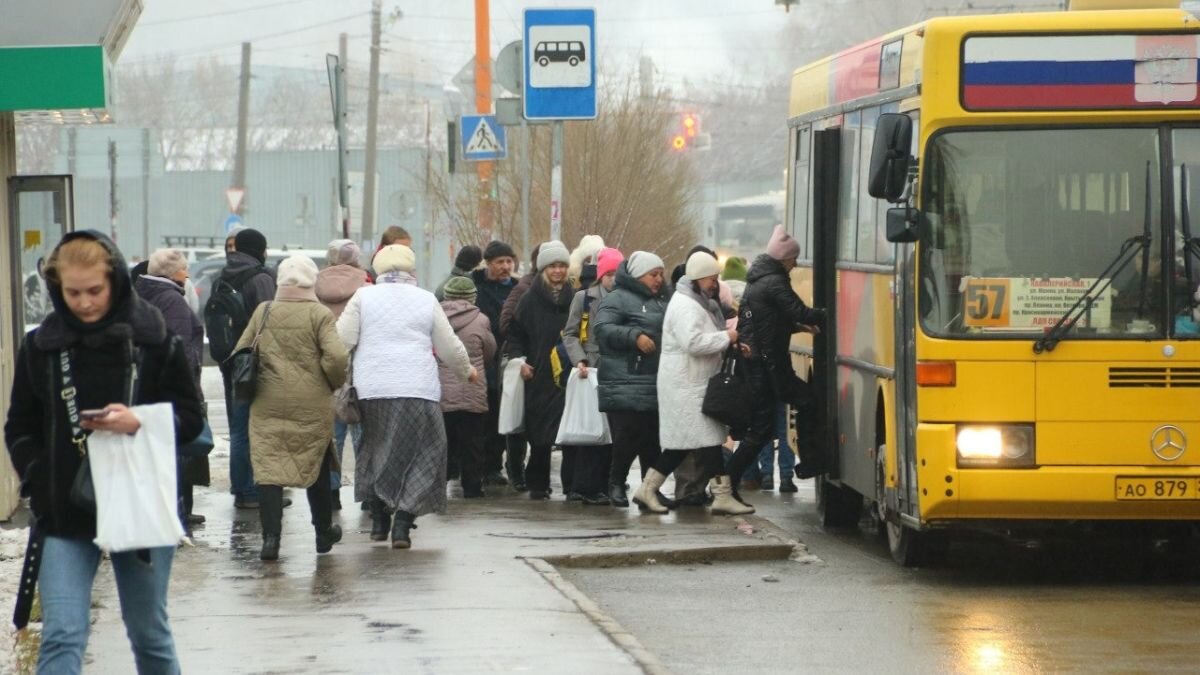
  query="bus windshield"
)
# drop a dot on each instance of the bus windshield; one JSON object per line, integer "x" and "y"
{"x": 1023, "y": 222}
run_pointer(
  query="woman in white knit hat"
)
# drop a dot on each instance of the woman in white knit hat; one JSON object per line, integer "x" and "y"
{"x": 301, "y": 363}
{"x": 395, "y": 329}
{"x": 694, "y": 338}
{"x": 536, "y": 328}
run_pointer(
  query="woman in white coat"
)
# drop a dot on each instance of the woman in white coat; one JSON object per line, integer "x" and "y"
{"x": 694, "y": 339}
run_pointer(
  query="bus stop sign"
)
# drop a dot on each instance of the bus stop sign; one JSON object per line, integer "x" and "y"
{"x": 560, "y": 64}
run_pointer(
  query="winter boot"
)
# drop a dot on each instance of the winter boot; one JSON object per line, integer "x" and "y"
{"x": 270, "y": 547}
{"x": 723, "y": 501}
{"x": 381, "y": 520}
{"x": 401, "y": 525}
{"x": 786, "y": 485}
{"x": 326, "y": 539}
{"x": 646, "y": 496}
{"x": 617, "y": 494}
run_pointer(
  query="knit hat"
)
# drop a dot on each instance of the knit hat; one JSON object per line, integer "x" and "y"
{"x": 297, "y": 270}
{"x": 459, "y": 288}
{"x": 394, "y": 258}
{"x": 585, "y": 253}
{"x": 607, "y": 261}
{"x": 782, "y": 246}
{"x": 468, "y": 258}
{"x": 498, "y": 249}
{"x": 701, "y": 265}
{"x": 641, "y": 263}
{"x": 343, "y": 252}
{"x": 553, "y": 252}
{"x": 735, "y": 269}
{"x": 252, "y": 243}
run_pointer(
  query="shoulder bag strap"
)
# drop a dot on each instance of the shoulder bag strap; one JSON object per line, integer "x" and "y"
{"x": 78, "y": 435}
{"x": 261, "y": 327}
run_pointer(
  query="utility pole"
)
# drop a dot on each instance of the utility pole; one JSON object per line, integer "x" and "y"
{"x": 112, "y": 189}
{"x": 146, "y": 194}
{"x": 483, "y": 106}
{"x": 368, "y": 211}
{"x": 339, "y": 111}
{"x": 239, "y": 158}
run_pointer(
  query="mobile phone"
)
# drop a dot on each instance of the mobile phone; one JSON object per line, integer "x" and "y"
{"x": 92, "y": 414}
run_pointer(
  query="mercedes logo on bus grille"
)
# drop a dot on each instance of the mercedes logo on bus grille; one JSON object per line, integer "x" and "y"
{"x": 1168, "y": 442}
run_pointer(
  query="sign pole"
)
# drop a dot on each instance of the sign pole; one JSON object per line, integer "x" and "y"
{"x": 526, "y": 179}
{"x": 483, "y": 106}
{"x": 556, "y": 159}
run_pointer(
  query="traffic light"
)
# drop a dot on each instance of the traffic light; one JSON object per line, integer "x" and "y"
{"x": 687, "y": 132}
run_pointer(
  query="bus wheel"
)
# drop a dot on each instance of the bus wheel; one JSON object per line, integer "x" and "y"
{"x": 543, "y": 62}
{"x": 573, "y": 61}
{"x": 911, "y": 548}
{"x": 839, "y": 506}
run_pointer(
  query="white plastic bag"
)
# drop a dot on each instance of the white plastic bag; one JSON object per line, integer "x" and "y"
{"x": 512, "y": 399}
{"x": 136, "y": 483}
{"x": 582, "y": 422}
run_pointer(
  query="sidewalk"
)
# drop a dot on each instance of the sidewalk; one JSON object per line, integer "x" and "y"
{"x": 464, "y": 599}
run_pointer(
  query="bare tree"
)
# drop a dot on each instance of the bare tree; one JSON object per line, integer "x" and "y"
{"x": 620, "y": 180}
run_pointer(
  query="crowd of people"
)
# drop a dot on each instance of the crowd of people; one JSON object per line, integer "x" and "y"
{"x": 417, "y": 379}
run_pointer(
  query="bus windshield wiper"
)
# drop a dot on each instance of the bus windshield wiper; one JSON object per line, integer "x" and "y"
{"x": 1130, "y": 248}
{"x": 1191, "y": 245}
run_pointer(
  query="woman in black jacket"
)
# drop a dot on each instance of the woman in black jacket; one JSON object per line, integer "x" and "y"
{"x": 536, "y": 328}
{"x": 118, "y": 353}
{"x": 162, "y": 285}
{"x": 628, "y": 327}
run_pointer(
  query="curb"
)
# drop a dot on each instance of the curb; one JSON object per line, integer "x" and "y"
{"x": 780, "y": 551}
{"x": 621, "y": 637}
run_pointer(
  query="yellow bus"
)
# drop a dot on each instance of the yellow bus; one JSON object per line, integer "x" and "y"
{"x": 996, "y": 211}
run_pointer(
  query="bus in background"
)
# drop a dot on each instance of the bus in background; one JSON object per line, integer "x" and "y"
{"x": 997, "y": 213}
{"x": 743, "y": 226}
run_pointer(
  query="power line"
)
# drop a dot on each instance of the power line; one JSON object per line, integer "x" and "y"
{"x": 237, "y": 43}
{"x": 230, "y": 12}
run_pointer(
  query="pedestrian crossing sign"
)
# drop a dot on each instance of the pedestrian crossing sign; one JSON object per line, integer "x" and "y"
{"x": 482, "y": 138}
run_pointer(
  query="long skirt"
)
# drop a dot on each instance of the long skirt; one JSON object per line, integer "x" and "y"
{"x": 402, "y": 460}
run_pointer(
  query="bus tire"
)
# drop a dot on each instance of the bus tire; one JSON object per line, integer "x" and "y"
{"x": 838, "y": 505}
{"x": 912, "y": 548}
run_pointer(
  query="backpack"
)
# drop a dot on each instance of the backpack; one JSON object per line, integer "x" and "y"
{"x": 560, "y": 361}
{"x": 226, "y": 314}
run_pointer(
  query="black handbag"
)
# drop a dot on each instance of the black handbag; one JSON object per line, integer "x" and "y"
{"x": 727, "y": 398}
{"x": 243, "y": 368}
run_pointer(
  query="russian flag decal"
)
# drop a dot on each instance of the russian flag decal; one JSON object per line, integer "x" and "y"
{"x": 1068, "y": 72}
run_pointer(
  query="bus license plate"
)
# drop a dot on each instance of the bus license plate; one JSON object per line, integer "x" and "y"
{"x": 1158, "y": 488}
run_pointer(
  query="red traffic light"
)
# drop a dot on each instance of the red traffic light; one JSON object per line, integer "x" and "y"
{"x": 691, "y": 124}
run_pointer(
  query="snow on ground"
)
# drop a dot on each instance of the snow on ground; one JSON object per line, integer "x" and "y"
{"x": 12, "y": 555}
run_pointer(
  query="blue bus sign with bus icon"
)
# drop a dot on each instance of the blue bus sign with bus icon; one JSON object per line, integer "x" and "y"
{"x": 560, "y": 64}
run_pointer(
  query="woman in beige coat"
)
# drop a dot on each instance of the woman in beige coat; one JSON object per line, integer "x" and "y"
{"x": 301, "y": 363}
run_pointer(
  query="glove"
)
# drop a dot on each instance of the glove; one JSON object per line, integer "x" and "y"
{"x": 816, "y": 317}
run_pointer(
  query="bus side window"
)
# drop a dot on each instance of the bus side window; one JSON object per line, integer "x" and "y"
{"x": 848, "y": 185}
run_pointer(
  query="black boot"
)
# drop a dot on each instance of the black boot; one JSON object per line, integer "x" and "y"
{"x": 666, "y": 501}
{"x": 270, "y": 547}
{"x": 381, "y": 521}
{"x": 400, "y": 527}
{"x": 326, "y": 539}
{"x": 617, "y": 494}
{"x": 270, "y": 515}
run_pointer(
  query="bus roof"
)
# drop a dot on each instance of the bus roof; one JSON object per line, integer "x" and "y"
{"x": 872, "y": 69}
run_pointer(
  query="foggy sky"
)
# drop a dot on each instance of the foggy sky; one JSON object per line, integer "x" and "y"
{"x": 686, "y": 38}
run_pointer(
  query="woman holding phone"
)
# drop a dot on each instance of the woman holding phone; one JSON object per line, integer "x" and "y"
{"x": 100, "y": 352}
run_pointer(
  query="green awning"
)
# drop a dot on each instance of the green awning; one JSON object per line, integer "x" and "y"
{"x": 69, "y": 83}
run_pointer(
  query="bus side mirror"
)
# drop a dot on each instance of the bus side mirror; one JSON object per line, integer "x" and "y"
{"x": 890, "y": 157}
{"x": 903, "y": 224}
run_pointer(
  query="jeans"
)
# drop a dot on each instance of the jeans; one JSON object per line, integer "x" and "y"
{"x": 67, "y": 573}
{"x": 339, "y": 442}
{"x": 787, "y": 460}
{"x": 241, "y": 472}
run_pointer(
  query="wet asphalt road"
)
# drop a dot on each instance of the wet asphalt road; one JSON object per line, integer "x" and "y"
{"x": 464, "y": 601}
{"x": 1082, "y": 607}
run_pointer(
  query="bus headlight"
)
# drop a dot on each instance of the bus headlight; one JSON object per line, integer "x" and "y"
{"x": 995, "y": 445}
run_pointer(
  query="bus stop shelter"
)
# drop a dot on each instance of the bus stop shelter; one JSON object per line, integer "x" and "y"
{"x": 56, "y": 60}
